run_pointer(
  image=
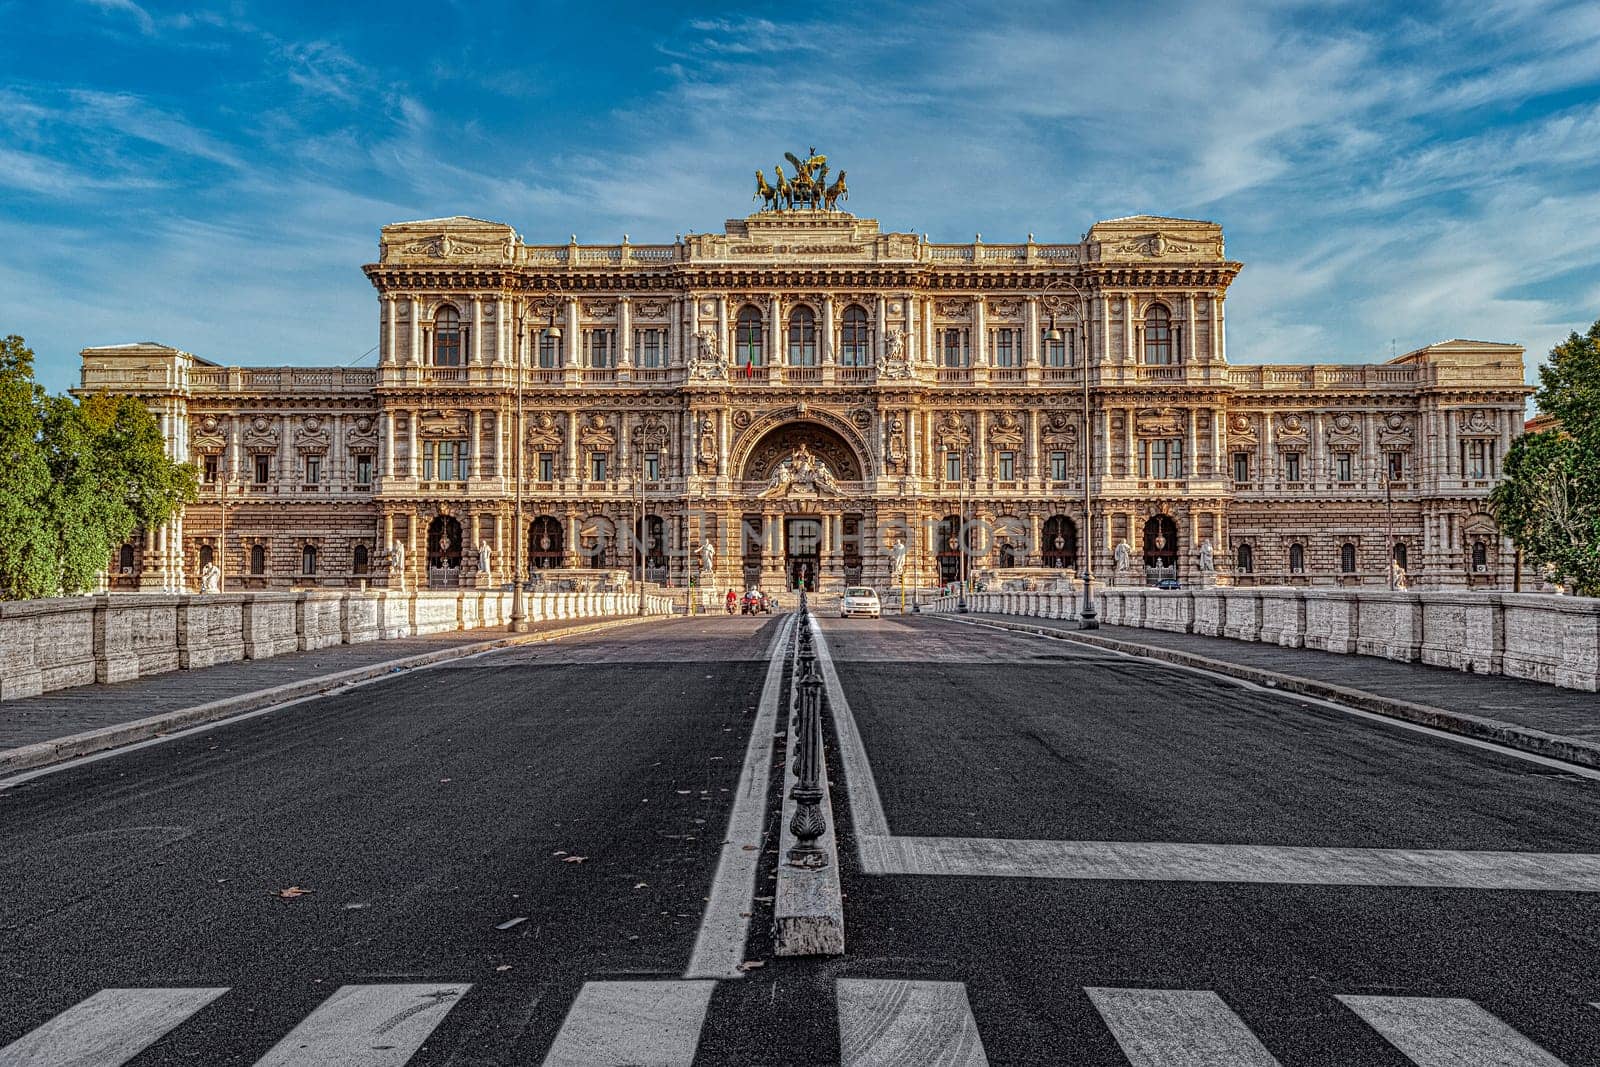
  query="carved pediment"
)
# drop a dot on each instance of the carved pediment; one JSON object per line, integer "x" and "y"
{"x": 207, "y": 434}
{"x": 362, "y": 434}
{"x": 596, "y": 434}
{"x": 1060, "y": 430}
{"x": 261, "y": 435}
{"x": 312, "y": 435}
{"x": 1242, "y": 428}
{"x": 1395, "y": 432}
{"x": 544, "y": 431}
{"x": 1343, "y": 428}
{"x": 1005, "y": 431}
{"x": 1478, "y": 421}
{"x": 952, "y": 431}
{"x": 651, "y": 433}
{"x": 1293, "y": 427}
{"x": 442, "y": 424}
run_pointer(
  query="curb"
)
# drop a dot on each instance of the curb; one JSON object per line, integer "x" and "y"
{"x": 808, "y": 904}
{"x": 57, "y": 750}
{"x": 1522, "y": 738}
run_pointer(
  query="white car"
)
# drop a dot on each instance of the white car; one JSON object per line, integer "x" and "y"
{"x": 859, "y": 600}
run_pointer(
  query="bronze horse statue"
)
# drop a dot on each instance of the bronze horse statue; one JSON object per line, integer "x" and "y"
{"x": 835, "y": 193}
{"x": 765, "y": 193}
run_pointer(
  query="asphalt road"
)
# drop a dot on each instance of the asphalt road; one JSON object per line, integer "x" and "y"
{"x": 426, "y": 811}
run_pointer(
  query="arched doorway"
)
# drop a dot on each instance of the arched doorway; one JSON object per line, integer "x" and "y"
{"x": 1160, "y": 548}
{"x": 595, "y": 541}
{"x": 823, "y": 443}
{"x": 544, "y": 543}
{"x": 1060, "y": 548}
{"x": 650, "y": 546}
{"x": 948, "y": 541}
{"x": 444, "y": 552}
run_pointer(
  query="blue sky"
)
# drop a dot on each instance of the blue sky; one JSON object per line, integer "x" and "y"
{"x": 213, "y": 176}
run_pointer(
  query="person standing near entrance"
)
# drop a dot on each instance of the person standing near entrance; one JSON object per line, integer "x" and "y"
{"x": 733, "y": 601}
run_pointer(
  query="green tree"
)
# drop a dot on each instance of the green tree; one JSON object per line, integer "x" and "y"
{"x": 91, "y": 472}
{"x": 1549, "y": 500}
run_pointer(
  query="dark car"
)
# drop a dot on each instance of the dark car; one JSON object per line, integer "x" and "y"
{"x": 1168, "y": 583}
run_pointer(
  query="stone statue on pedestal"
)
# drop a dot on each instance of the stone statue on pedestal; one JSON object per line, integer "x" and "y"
{"x": 397, "y": 564}
{"x": 897, "y": 560}
{"x": 1121, "y": 555}
{"x": 1208, "y": 561}
{"x": 211, "y": 578}
{"x": 708, "y": 557}
{"x": 485, "y": 557}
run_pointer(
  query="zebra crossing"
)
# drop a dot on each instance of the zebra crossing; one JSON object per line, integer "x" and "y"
{"x": 882, "y": 1022}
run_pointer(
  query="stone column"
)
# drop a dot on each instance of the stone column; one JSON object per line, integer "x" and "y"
{"x": 574, "y": 471}
{"x": 1130, "y": 446}
{"x": 1030, "y": 341}
{"x": 416, "y": 332}
{"x": 724, "y": 435}
{"x": 1035, "y": 464}
{"x": 878, "y": 331}
{"x": 775, "y": 354}
{"x": 980, "y": 447}
{"x": 1187, "y": 339}
{"x": 827, "y": 329}
{"x": 569, "y": 353}
{"x": 675, "y": 356}
{"x": 980, "y": 332}
{"x": 413, "y": 458}
{"x": 389, "y": 353}
{"x": 1222, "y": 330}
{"x": 1191, "y": 446}
{"x": 625, "y": 332}
{"x": 1035, "y": 555}
{"x": 930, "y": 352}
{"x": 503, "y": 325}
{"x": 1129, "y": 353}
{"x": 474, "y": 444}
{"x": 475, "y": 352}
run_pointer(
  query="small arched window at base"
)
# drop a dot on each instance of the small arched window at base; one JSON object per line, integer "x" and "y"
{"x": 1297, "y": 558}
{"x": 358, "y": 560}
{"x": 1347, "y": 558}
{"x": 1246, "y": 559}
{"x": 258, "y": 559}
{"x": 308, "y": 559}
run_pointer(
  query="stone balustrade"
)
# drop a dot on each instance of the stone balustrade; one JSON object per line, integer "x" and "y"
{"x": 1522, "y": 635}
{"x": 67, "y": 641}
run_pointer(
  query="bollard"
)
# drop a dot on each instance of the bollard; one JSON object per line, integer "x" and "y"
{"x": 808, "y": 823}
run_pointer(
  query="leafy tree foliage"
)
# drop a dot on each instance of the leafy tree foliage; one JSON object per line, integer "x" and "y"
{"x": 76, "y": 479}
{"x": 1549, "y": 501}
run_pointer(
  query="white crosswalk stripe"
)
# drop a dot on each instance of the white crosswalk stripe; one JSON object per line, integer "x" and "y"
{"x": 1447, "y": 1032}
{"x": 649, "y": 1024}
{"x": 1178, "y": 1028}
{"x": 108, "y": 1029}
{"x": 367, "y": 1026}
{"x": 887, "y": 1023}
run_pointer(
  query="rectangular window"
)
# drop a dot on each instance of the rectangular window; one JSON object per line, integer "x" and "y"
{"x": 1397, "y": 465}
{"x": 1161, "y": 458}
{"x": 1058, "y": 466}
{"x": 1007, "y": 347}
{"x": 211, "y": 469}
{"x": 313, "y": 470}
{"x": 547, "y": 466}
{"x": 652, "y": 466}
{"x": 952, "y": 467}
{"x": 364, "y": 470}
{"x": 1291, "y": 466}
{"x": 600, "y": 348}
{"x": 597, "y": 466}
{"x": 1008, "y": 466}
{"x": 1344, "y": 464}
{"x": 1477, "y": 458}
{"x": 263, "y": 468}
{"x": 955, "y": 350}
{"x": 444, "y": 461}
{"x": 549, "y": 350}
{"x": 1241, "y": 467}
{"x": 650, "y": 347}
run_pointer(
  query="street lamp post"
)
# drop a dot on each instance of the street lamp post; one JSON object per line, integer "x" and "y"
{"x": 1388, "y": 529}
{"x": 961, "y": 532}
{"x": 638, "y": 532}
{"x": 1055, "y": 302}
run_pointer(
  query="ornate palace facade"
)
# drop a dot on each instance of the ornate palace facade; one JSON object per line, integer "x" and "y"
{"x": 805, "y": 393}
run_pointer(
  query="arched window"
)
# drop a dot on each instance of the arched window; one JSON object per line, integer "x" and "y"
{"x": 1247, "y": 559}
{"x": 1400, "y": 554}
{"x": 544, "y": 543}
{"x": 446, "y": 338}
{"x": 308, "y": 559}
{"x": 802, "y": 338}
{"x": 1158, "y": 336}
{"x": 1297, "y": 558}
{"x": 1347, "y": 558}
{"x": 748, "y": 339}
{"x": 358, "y": 560}
{"x": 207, "y": 554}
{"x": 1060, "y": 548}
{"x": 258, "y": 559}
{"x": 125, "y": 559}
{"x": 853, "y": 335}
{"x": 1480, "y": 555}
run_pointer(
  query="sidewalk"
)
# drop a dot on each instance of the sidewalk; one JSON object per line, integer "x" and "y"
{"x": 65, "y": 723}
{"x": 1559, "y": 723}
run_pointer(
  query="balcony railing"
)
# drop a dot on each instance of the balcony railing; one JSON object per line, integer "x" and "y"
{"x": 802, "y": 375}
{"x": 854, "y": 375}
{"x": 1008, "y": 374}
{"x": 955, "y": 375}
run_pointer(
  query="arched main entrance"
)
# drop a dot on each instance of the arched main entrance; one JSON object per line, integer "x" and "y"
{"x": 1060, "y": 548}
{"x": 650, "y": 545}
{"x": 802, "y": 552}
{"x": 444, "y": 552}
{"x": 544, "y": 543}
{"x": 948, "y": 542}
{"x": 1160, "y": 548}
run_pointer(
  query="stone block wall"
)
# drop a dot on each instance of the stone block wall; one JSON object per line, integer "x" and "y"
{"x": 1523, "y": 635}
{"x": 68, "y": 641}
